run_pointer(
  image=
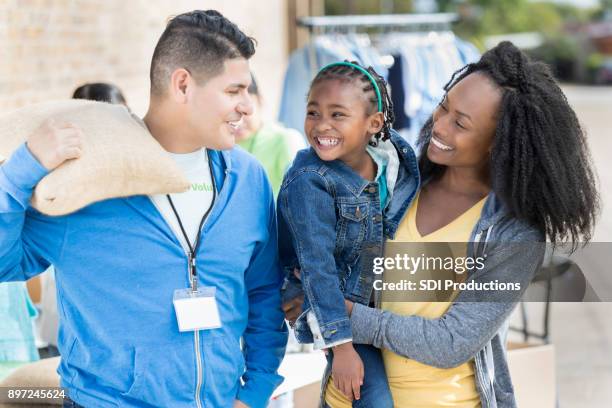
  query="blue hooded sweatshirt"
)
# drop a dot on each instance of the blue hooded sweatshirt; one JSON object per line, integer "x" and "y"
{"x": 117, "y": 266}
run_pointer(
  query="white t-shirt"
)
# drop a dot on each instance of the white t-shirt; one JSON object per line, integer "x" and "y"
{"x": 47, "y": 322}
{"x": 192, "y": 204}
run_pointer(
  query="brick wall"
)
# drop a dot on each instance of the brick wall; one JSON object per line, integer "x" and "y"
{"x": 48, "y": 47}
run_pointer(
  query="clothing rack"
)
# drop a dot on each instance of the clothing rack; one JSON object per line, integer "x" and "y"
{"x": 414, "y": 22}
{"x": 425, "y": 22}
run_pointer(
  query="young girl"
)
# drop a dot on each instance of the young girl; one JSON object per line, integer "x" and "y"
{"x": 337, "y": 203}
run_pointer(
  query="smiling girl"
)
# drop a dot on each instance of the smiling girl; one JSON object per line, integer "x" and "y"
{"x": 336, "y": 205}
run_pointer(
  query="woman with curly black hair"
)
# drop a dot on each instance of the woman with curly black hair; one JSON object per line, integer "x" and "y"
{"x": 538, "y": 162}
{"x": 504, "y": 168}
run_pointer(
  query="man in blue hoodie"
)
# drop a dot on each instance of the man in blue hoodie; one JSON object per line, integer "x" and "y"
{"x": 156, "y": 294}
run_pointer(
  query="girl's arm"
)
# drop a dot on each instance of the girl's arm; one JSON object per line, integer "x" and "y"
{"x": 307, "y": 219}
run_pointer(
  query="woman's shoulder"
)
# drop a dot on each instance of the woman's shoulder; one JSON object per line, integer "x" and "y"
{"x": 506, "y": 227}
{"x": 512, "y": 229}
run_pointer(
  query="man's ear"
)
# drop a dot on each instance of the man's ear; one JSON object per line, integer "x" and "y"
{"x": 179, "y": 82}
{"x": 376, "y": 122}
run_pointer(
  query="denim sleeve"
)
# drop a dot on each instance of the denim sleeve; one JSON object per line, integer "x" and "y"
{"x": 467, "y": 326}
{"x": 265, "y": 337}
{"x": 19, "y": 258}
{"x": 308, "y": 209}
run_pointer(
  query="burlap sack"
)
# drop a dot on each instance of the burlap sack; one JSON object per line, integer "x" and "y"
{"x": 120, "y": 157}
{"x": 40, "y": 374}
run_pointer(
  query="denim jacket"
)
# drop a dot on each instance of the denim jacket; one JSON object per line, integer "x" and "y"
{"x": 331, "y": 226}
{"x": 475, "y": 325}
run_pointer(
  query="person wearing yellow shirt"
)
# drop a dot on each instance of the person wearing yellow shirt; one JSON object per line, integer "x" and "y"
{"x": 505, "y": 168}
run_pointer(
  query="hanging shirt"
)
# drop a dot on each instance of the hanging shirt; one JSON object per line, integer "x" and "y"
{"x": 192, "y": 204}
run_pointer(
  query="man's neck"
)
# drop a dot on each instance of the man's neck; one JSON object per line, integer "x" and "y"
{"x": 169, "y": 131}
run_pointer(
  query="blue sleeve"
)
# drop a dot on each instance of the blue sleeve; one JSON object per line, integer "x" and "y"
{"x": 309, "y": 211}
{"x": 18, "y": 176}
{"x": 265, "y": 338}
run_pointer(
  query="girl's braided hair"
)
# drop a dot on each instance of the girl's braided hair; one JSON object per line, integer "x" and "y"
{"x": 349, "y": 74}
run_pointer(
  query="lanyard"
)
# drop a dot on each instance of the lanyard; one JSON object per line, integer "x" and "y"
{"x": 193, "y": 249}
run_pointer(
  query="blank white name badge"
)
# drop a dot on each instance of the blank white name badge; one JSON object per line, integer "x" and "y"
{"x": 196, "y": 310}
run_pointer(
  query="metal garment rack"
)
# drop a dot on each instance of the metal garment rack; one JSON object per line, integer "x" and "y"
{"x": 350, "y": 23}
{"x": 416, "y": 22}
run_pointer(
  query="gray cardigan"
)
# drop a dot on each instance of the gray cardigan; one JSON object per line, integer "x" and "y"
{"x": 472, "y": 327}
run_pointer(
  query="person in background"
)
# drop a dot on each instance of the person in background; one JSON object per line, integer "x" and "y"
{"x": 272, "y": 144}
{"x": 17, "y": 342}
{"x": 100, "y": 91}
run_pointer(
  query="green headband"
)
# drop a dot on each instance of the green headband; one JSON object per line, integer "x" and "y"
{"x": 364, "y": 72}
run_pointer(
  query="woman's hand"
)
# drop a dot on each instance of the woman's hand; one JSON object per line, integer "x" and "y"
{"x": 349, "y": 306}
{"x": 293, "y": 309}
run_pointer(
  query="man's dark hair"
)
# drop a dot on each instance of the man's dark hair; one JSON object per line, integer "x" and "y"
{"x": 98, "y": 91}
{"x": 540, "y": 166}
{"x": 200, "y": 42}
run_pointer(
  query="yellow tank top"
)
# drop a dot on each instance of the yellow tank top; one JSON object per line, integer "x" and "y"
{"x": 412, "y": 384}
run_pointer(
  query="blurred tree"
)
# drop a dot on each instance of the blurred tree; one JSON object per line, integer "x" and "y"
{"x": 480, "y": 18}
{"x": 605, "y": 11}
{"x": 489, "y": 17}
{"x": 339, "y": 7}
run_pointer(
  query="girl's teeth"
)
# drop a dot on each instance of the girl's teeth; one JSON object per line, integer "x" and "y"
{"x": 328, "y": 142}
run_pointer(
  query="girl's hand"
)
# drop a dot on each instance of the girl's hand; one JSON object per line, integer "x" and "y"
{"x": 347, "y": 371}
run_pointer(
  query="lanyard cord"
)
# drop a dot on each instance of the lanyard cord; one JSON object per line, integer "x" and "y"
{"x": 193, "y": 249}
